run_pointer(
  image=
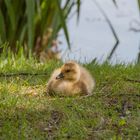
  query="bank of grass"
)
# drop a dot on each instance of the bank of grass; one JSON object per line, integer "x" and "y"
{"x": 113, "y": 112}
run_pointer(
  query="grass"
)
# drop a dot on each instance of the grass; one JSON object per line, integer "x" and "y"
{"x": 26, "y": 113}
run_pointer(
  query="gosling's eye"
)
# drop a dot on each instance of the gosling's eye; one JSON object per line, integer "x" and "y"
{"x": 67, "y": 70}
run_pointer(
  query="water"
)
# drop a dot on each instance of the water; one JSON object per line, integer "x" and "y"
{"x": 92, "y": 37}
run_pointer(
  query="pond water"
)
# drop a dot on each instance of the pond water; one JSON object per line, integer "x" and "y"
{"x": 92, "y": 38}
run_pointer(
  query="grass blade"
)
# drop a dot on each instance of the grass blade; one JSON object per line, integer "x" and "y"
{"x": 30, "y": 22}
{"x": 63, "y": 22}
{"x": 11, "y": 13}
{"x": 22, "y": 34}
{"x": 78, "y": 9}
{"x": 2, "y": 28}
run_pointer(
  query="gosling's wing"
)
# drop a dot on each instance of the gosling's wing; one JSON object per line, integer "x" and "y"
{"x": 87, "y": 78}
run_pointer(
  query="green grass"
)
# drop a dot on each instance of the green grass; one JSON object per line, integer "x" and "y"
{"x": 26, "y": 113}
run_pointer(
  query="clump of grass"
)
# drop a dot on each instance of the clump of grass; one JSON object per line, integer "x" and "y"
{"x": 113, "y": 112}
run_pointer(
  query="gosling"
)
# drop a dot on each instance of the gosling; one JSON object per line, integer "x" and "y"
{"x": 71, "y": 80}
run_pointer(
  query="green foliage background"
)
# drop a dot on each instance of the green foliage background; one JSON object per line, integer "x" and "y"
{"x": 26, "y": 21}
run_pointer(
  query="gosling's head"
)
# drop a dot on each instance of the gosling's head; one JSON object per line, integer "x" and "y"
{"x": 69, "y": 71}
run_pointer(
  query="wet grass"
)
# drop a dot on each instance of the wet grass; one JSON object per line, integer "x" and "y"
{"x": 113, "y": 112}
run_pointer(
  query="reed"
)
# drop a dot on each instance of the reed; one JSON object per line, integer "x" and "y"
{"x": 32, "y": 22}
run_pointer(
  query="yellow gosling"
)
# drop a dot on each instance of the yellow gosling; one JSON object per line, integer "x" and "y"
{"x": 70, "y": 80}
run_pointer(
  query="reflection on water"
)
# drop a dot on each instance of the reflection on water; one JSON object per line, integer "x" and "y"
{"x": 92, "y": 37}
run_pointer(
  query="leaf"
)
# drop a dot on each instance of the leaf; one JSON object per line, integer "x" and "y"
{"x": 66, "y": 4}
{"x": 11, "y": 13}
{"x": 30, "y": 22}
{"x": 2, "y": 27}
{"x": 63, "y": 22}
{"x": 22, "y": 34}
{"x": 68, "y": 9}
{"x": 78, "y": 9}
{"x": 45, "y": 14}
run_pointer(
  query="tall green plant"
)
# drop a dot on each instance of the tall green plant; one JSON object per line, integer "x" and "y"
{"x": 28, "y": 21}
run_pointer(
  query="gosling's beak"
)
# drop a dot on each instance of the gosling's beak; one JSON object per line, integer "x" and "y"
{"x": 60, "y": 76}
